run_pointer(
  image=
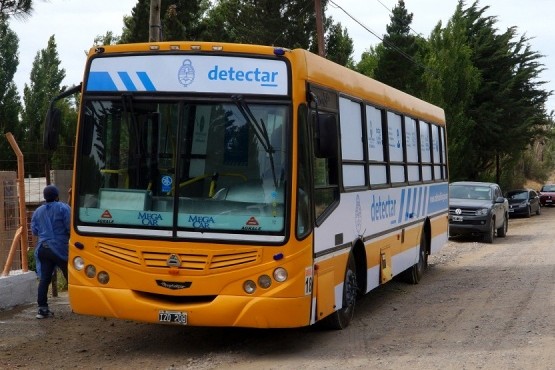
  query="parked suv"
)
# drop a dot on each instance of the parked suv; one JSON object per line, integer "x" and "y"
{"x": 477, "y": 208}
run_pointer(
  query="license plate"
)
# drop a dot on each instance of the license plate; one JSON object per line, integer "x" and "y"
{"x": 172, "y": 317}
{"x": 511, "y": 210}
{"x": 548, "y": 201}
{"x": 457, "y": 218}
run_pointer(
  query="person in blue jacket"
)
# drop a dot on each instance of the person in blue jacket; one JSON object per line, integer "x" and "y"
{"x": 50, "y": 222}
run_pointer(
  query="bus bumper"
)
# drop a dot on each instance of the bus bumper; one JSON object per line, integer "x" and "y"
{"x": 224, "y": 310}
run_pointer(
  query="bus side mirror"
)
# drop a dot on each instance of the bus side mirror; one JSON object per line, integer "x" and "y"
{"x": 53, "y": 120}
{"x": 52, "y": 128}
{"x": 326, "y": 145}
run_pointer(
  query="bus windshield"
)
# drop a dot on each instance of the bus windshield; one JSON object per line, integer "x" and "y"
{"x": 175, "y": 165}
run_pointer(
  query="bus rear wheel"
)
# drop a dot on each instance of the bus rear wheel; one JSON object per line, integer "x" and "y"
{"x": 416, "y": 271}
{"x": 341, "y": 318}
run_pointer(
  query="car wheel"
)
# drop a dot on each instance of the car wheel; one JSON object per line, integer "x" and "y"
{"x": 502, "y": 231}
{"x": 488, "y": 236}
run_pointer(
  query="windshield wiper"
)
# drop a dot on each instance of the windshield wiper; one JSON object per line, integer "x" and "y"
{"x": 259, "y": 130}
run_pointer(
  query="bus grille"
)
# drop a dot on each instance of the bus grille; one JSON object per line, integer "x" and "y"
{"x": 188, "y": 261}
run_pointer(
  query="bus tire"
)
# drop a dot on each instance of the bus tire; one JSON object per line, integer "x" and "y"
{"x": 341, "y": 318}
{"x": 414, "y": 273}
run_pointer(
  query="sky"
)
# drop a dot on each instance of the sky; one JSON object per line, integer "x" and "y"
{"x": 75, "y": 24}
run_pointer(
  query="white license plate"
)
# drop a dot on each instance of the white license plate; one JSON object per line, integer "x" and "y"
{"x": 548, "y": 201}
{"x": 457, "y": 218}
{"x": 172, "y": 317}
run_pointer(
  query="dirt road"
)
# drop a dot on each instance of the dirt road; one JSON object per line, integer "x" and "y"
{"x": 480, "y": 306}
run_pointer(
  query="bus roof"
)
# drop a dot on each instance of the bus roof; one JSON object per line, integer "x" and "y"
{"x": 329, "y": 74}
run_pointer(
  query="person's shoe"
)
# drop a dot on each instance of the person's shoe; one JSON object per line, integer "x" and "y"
{"x": 44, "y": 313}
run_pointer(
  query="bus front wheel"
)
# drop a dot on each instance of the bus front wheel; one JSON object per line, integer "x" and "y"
{"x": 341, "y": 318}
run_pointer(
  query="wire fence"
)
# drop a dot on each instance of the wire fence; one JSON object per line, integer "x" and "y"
{"x": 10, "y": 222}
{"x": 36, "y": 170}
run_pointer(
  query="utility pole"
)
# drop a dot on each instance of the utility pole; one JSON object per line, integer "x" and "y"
{"x": 319, "y": 27}
{"x": 155, "y": 28}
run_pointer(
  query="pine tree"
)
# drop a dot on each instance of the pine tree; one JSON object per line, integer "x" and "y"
{"x": 339, "y": 46}
{"x": 398, "y": 64}
{"x": 10, "y": 106}
{"x": 181, "y": 20}
{"x": 450, "y": 81}
{"x": 45, "y": 81}
{"x": 488, "y": 83}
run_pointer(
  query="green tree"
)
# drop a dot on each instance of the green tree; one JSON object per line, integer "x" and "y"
{"x": 369, "y": 60}
{"x": 399, "y": 65}
{"x": 10, "y": 106}
{"x": 339, "y": 46}
{"x": 181, "y": 20}
{"x": 266, "y": 22}
{"x": 135, "y": 26}
{"x": 286, "y": 23}
{"x": 45, "y": 81}
{"x": 16, "y": 8}
{"x": 450, "y": 81}
{"x": 107, "y": 39}
{"x": 508, "y": 106}
{"x": 488, "y": 84}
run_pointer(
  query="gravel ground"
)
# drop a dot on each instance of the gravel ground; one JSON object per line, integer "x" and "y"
{"x": 480, "y": 306}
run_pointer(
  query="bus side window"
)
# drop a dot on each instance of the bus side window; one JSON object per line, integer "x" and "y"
{"x": 325, "y": 162}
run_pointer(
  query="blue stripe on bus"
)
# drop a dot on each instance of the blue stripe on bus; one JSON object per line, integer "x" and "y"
{"x": 129, "y": 85}
{"x": 438, "y": 199}
{"x": 407, "y": 210}
{"x": 417, "y": 208}
{"x": 100, "y": 81}
{"x": 400, "y": 208}
{"x": 149, "y": 86}
{"x": 416, "y": 198}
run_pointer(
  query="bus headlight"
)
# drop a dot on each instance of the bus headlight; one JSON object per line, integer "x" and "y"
{"x": 90, "y": 271}
{"x": 264, "y": 281}
{"x": 280, "y": 274}
{"x": 103, "y": 277}
{"x": 249, "y": 286}
{"x": 78, "y": 263}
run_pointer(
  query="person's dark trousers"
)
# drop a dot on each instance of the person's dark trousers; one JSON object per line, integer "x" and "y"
{"x": 49, "y": 261}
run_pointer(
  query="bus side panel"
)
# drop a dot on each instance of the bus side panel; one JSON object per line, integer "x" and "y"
{"x": 325, "y": 295}
{"x": 440, "y": 227}
{"x": 399, "y": 255}
{"x": 401, "y": 244}
{"x": 329, "y": 277}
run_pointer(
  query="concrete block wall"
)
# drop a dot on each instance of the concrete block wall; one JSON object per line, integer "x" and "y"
{"x": 18, "y": 289}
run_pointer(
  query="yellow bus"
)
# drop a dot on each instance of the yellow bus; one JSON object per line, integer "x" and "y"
{"x": 222, "y": 184}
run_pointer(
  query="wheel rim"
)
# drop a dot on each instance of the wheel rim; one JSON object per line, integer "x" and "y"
{"x": 350, "y": 290}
